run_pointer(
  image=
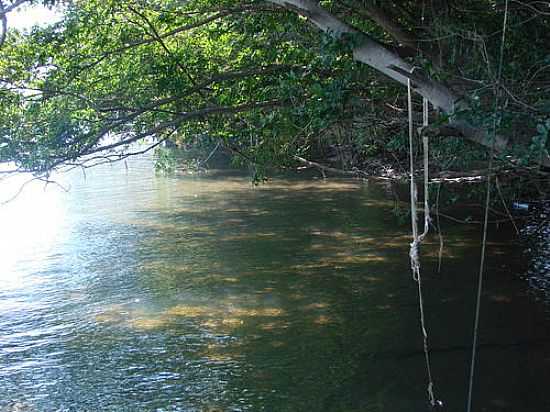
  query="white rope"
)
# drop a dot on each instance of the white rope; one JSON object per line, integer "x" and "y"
{"x": 486, "y": 218}
{"x": 417, "y": 239}
{"x": 413, "y": 253}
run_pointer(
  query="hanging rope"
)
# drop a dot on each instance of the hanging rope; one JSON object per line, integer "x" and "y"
{"x": 417, "y": 239}
{"x": 486, "y": 217}
{"x": 413, "y": 253}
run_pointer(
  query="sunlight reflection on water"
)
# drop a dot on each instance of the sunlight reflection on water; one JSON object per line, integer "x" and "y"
{"x": 30, "y": 223}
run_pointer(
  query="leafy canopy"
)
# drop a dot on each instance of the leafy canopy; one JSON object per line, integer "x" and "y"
{"x": 255, "y": 76}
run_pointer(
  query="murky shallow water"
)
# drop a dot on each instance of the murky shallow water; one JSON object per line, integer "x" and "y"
{"x": 134, "y": 292}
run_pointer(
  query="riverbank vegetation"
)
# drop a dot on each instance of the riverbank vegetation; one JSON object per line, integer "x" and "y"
{"x": 283, "y": 84}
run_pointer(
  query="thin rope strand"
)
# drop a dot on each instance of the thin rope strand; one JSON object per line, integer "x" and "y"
{"x": 486, "y": 217}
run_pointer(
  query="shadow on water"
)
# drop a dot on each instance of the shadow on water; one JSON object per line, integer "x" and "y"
{"x": 203, "y": 294}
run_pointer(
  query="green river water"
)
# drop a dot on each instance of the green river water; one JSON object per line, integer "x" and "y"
{"x": 136, "y": 292}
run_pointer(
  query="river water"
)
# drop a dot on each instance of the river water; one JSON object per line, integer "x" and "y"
{"x": 136, "y": 292}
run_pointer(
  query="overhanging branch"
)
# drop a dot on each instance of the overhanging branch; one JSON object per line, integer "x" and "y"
{"x": 372, "y": 53}
{"x": 207, "y": 111}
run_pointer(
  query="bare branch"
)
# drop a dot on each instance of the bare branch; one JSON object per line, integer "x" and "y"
{"x": 115, "y": 157}
{"x": 42, "y": 178}
{"x": 323, "y": 168}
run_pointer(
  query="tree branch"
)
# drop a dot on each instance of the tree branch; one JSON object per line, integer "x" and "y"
{"x": 6, "y": 9}
{"x": 373, "y": 53}
{"x": 207, "y": 111}
{"x": 323, "y": 168}
{"x": 384, "y": 20}
{"x": 234, "y": 75}
{"x": 4, "y": 23}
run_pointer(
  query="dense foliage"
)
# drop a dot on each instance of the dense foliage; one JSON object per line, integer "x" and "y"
{"x": 258, "y": 77}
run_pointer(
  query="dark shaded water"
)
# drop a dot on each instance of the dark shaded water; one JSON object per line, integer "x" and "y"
{"x": 140, "y": 293}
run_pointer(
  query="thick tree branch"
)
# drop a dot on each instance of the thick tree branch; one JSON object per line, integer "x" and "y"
{"x": 372, "y": 53}
{"x": 409, "y": 42}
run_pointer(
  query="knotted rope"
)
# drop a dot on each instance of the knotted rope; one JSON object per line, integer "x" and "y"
{"x": 417, "y": 239}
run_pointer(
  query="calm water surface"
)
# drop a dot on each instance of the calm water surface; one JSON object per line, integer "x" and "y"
{"x": 133, "y": 292}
